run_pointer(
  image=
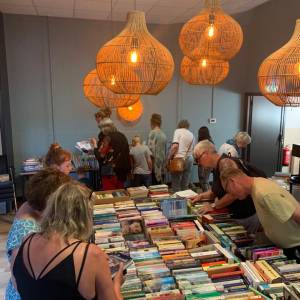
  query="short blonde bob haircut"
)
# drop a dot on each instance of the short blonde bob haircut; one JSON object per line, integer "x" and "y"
{"x": 69, "y": 212}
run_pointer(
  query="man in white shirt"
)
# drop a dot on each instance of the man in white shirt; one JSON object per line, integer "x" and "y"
{"x": 182, "y": 147}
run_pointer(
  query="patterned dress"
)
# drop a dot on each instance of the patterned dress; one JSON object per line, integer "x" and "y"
{"x": 157, "y": 144}
{"x": 18, "y": 231}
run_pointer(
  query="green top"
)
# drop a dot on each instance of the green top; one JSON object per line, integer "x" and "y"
{"x": 157, "y": 145}
{"x": 275, "y": 207}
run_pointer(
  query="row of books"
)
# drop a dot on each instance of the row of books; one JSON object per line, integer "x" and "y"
{"x": 182, "y": 256}
{"x": 153, "y": 191}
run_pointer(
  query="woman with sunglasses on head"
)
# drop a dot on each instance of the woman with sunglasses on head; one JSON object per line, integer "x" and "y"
{"x": 58, "y": 263}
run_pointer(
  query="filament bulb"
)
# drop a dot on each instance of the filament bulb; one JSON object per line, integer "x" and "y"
{"x": 204, "y": 63}
{"x": 133, "y": 57}
{"x": 211, "y": 31}
{"x": 113, "y": 80}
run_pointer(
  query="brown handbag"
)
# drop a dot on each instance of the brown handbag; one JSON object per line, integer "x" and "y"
{"x": 176, "y": 165}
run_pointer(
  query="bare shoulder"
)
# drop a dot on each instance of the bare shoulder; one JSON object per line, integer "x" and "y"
{"x": 96, "y": 253}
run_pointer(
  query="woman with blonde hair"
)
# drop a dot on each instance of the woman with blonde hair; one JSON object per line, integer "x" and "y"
{"x": 58, "y": 263}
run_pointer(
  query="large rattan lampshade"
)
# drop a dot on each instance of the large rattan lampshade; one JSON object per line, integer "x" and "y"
{"x": 211, "y": 34}
{"x": 279, "y": 74}
{"x": 134, "y": 62}
{"x": 100, "y": 96}
{"x": 204, "y": 71}
{"x": 131, "y": 113}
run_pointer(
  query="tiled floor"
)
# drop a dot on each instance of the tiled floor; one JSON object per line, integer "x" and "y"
{"x": 5, "y": 223}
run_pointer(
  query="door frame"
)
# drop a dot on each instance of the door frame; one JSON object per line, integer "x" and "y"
{"x": 248, "y": 125}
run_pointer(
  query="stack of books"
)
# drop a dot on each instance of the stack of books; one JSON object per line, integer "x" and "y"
{"x": 174, "y": 207}
{"x": 138, "y": 192}
{"x": 31, "y": 165}
{"x": 130, "y": 219}
{"x": 188, "y": 232}
{"x": 108, "y": 235}
{"x": 273, "y": 290}
{"x": 158, "y": 191}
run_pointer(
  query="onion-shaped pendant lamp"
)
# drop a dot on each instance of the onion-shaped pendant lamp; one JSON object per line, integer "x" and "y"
{"x": 279, "y": 74}
{"x": 204, "y": 71}
{"x": 211, "y": 34}
{"x": 100, "y": 96}
{"x": 134, "y": 62}
{"x": 131, "y": 113}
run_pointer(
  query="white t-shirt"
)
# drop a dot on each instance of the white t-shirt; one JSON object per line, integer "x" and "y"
{"x": 227, "y": 148}
{"x": 185, "y": 140}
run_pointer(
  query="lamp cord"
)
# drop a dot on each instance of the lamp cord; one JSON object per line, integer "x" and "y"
{"x": 51, "y": 82}
{"x": 212, "y": 101}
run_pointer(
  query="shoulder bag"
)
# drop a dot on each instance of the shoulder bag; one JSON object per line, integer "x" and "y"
{"x": 176, "y": 165}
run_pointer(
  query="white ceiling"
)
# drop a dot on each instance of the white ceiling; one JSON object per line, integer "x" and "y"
{"x": 157, "y": 11}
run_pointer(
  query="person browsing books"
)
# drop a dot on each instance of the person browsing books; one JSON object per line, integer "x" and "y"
{"x": 157, "y": 144}
{"x": 182, "y": 148}
{"x": 59, "y": 158}
{"x": 233, "y": 147}
{"x": 277, "y": 210}
{"x": 141, "y": 163}
{"x": 28, "y": 217}
{"x": 243, "y": 213}
{"x": 58, "y": 263}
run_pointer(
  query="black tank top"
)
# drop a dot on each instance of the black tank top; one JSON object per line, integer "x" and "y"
{"x": 239, "y": 209}
{"x": 59, "y": 283}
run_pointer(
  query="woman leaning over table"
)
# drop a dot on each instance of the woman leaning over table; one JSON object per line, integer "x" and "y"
{"x": 28, "y": 216}
{"x": 58, "y": 263}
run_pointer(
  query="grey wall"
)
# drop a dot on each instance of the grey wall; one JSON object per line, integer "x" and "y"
{"x": 271, "y": 27}
{"x": 72, "y": 48}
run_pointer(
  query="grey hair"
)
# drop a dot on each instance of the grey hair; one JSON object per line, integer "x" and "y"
{"x": 183, "y": 124}
{"x": 69, "y": 212}
{"x": 242, "y": 137}
{"x": 203, "y": 146}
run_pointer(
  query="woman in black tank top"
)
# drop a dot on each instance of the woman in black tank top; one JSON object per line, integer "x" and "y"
{"x": 57, "y": 263}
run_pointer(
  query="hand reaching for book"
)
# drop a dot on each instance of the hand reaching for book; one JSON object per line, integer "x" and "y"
{"x": 205, "y": 209}
{"x": 118, "y": 281}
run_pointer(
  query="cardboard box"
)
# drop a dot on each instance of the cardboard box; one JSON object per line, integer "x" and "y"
{"x": 111, "y": 200}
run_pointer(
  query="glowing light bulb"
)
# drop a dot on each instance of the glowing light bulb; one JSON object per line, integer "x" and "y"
{"x": 211, "y": 31}
{"x": 204, "y": 63}
{"x": 113, "y": 80}
{"x": 130, "y": 108}
{"x": 133, "y": 57}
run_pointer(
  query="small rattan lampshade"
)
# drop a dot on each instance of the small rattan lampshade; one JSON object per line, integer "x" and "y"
{"x": 211, "y": 34}
{"x": 204, "y": 71}
{"x": 279, "y": 74}
{"x": 100, "y": 96}
{"x": 134, "y": 61}
{"x": 131, "y": 113}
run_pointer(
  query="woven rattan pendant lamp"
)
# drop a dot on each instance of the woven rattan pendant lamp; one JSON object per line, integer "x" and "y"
{"x": 134, "y": 62}
{"x": 279, "y": 74}
{"x": 100, "y": 96}
{"x": 204, "y": 71}
{"x": 131, "y": 113}
{"x": 211, "y": 34}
